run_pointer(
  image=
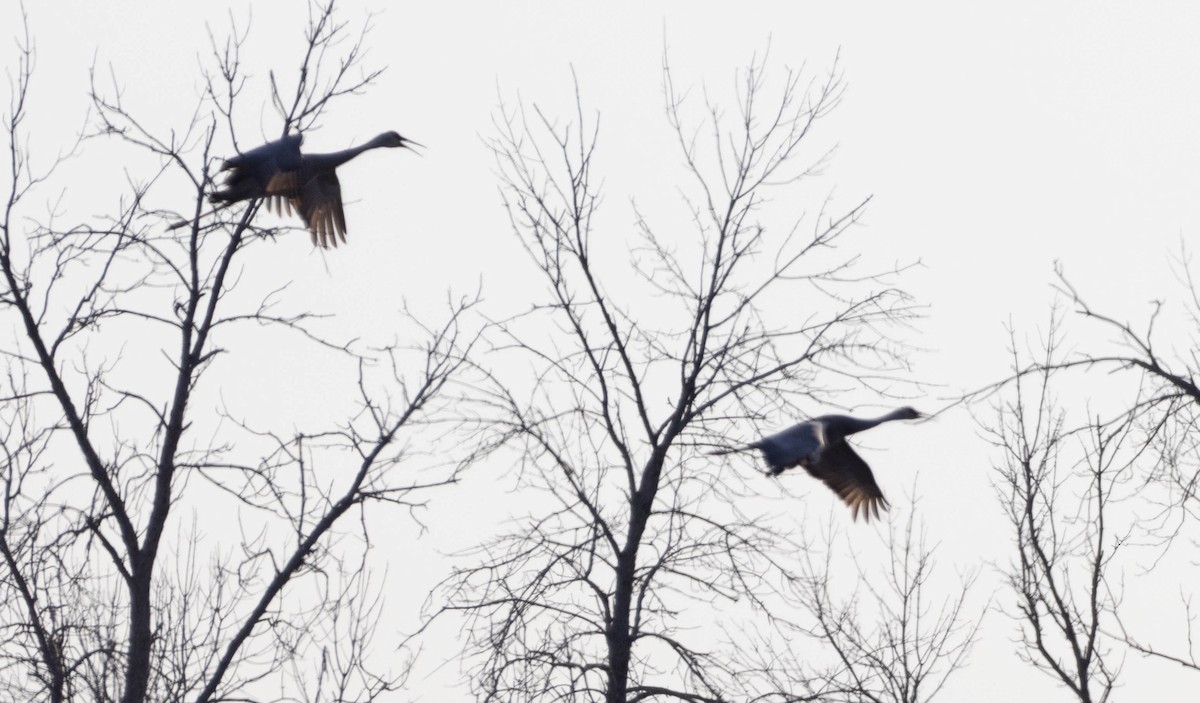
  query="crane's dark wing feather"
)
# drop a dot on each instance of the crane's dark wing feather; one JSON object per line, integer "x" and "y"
{"x": 283, "y": 191}
{"x": 845, "y": 472}
{"x": 789, "y": 448}
{"x": 319, "y": 202}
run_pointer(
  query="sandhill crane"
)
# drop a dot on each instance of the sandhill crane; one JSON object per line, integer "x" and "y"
{"x": 819, "y": 445}
{"x": 292, "y": 181}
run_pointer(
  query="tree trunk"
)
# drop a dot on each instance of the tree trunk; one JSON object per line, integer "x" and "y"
{"x": 619, "y": 636}
{"x": 137, "y": 667}
{"x": 620, "y": 639}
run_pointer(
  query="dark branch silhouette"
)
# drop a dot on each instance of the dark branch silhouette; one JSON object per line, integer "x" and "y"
{"x": 1154, "y": 424}
{"x": 890, "y": 638}
{"x": 1064, "y": 546}
{"x": 156, "y": 545}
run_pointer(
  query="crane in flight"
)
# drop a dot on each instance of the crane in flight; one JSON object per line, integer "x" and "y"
{"x": 291, "y": 181}
{"x": 819, "y": 446}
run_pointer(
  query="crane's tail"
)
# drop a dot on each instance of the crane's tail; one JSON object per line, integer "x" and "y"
{"x": 185, "y": 223}
{"x": 733, "y": 450}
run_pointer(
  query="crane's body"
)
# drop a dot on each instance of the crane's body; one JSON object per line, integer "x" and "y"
{"x": 799, "y": 443}
{"x": 819, "y": 446}
{"x": 296, "y": 182}
{"x": 249, "y": 175}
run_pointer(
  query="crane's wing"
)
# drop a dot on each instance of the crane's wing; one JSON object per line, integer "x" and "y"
{"x": 844, "y": 471}
{"x": 283, "y": 154}
{"x": 789, "y": 448}
{"x": 319, "y": 202}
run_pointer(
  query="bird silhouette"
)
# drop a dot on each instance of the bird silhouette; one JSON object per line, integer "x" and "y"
{"x": 819, "y": 445}
{"x": 291, "y": 181}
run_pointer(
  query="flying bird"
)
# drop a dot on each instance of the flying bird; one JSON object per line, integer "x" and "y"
{"x": 294, "y": 182}
{"x": 819, "y": 445}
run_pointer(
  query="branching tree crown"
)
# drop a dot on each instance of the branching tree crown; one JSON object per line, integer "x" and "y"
{"x": 1098, "y": 498}
{"x": 617, "y": 584}
{"x": 153, "y": 545}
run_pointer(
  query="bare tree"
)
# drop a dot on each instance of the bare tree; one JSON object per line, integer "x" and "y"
{"x": 1167, "y": 405}
{"x": 640, "y": 575}
{"x": 1059, "y": 484}
{"x": 154, "y": 546}
{"x": 1156, "y": 426}
{"x": 892, "y": 637}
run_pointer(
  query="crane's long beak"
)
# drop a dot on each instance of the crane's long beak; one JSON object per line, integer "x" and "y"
{"x": 409, "y": 144}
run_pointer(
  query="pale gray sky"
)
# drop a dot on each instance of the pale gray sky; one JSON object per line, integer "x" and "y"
{"x": 995, "y": 141}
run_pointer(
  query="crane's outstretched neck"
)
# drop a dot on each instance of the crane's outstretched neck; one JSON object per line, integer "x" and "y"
{"x": 734, "y": 450}
{"x": 328, "y": 162}
{"x": 845, "y": 425}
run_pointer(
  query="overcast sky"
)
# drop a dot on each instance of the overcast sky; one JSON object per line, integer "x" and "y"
{"x": 994, "y": 142}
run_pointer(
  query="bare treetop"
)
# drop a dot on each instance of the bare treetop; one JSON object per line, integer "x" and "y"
{"x": 613, "y": 587}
